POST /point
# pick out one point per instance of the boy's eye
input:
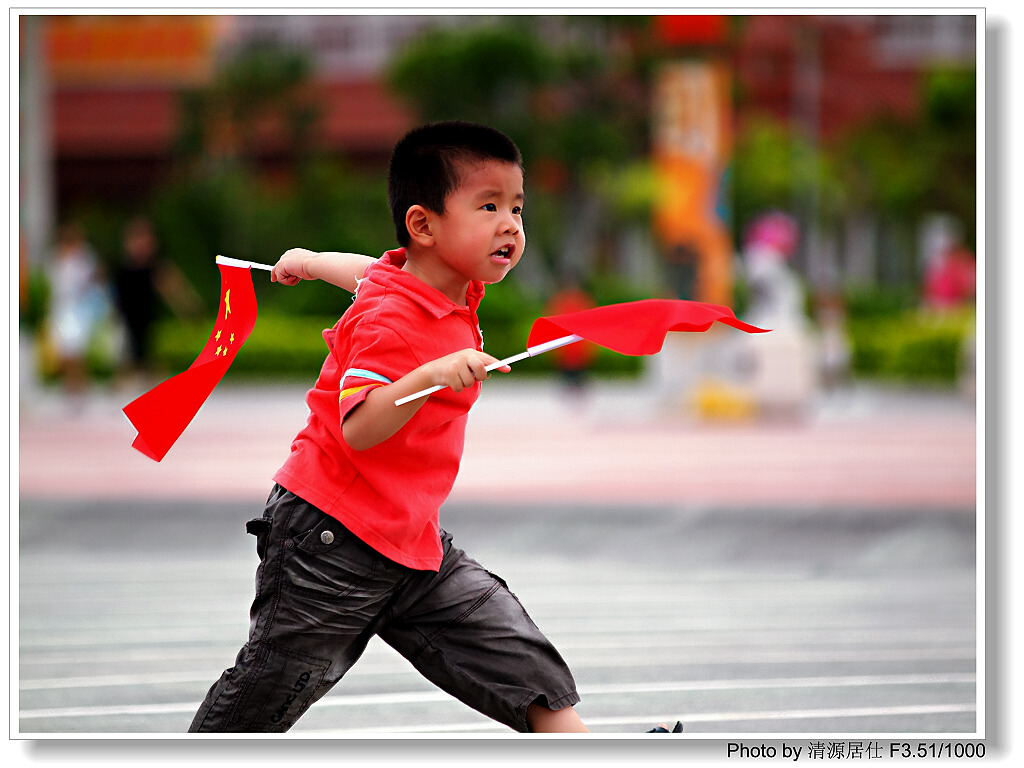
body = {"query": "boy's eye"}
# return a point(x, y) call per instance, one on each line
point(517, 210)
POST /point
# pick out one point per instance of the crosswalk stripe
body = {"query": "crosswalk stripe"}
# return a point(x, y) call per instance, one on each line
point(120, 681)
point(701, 717)
point(415, 697)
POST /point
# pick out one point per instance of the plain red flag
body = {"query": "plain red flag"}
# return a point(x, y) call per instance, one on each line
point(635, 327)
point(630, 328)
point(162, 414)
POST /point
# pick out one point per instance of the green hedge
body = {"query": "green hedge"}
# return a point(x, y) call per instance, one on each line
point(914, 346)
point(279, 346)
point(888, 340)
point(289, 346)
point(292, 348)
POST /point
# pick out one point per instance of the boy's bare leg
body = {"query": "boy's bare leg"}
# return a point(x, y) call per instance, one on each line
point(544, 720)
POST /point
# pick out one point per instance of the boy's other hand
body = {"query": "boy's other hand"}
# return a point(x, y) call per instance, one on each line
point(291, 267)
point(462, 369)
point(376, 419)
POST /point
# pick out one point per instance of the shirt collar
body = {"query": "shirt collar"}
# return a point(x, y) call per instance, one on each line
point(387, 272)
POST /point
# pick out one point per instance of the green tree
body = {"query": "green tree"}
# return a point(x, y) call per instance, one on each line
point(773, 168)
point(950, 144)
point(900, 171)
point(251, 180)
point(905, 169)
point(259, 99)
point(575, 111)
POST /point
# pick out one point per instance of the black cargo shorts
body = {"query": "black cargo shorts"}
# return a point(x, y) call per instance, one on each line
point(321, 594)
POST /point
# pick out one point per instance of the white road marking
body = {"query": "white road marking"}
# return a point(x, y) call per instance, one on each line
point(416, 697)
point(703, 717)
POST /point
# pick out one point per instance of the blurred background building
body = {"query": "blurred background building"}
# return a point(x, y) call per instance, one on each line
point(654, 145)
point(115, 83)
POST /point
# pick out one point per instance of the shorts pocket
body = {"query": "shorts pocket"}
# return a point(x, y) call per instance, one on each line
point(260, 528)
point(327, 562)
point(328, 534)
point(283, 686)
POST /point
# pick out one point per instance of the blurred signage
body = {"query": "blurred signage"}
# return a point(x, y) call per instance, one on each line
point(691, 29)
point(692, 145)
point(129, 49)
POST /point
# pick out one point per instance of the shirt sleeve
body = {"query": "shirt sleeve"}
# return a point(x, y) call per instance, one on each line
point(378, 356)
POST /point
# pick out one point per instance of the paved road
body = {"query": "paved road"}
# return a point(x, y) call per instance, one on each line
point(740, 613)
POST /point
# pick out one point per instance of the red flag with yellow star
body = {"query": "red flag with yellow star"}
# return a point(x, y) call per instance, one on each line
point(162, 414)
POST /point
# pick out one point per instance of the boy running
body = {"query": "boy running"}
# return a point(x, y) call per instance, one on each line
point(349, 543)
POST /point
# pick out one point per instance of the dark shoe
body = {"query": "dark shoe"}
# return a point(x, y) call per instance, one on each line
point(664, 729)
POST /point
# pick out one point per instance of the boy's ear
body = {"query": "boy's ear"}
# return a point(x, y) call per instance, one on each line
point(417, 221)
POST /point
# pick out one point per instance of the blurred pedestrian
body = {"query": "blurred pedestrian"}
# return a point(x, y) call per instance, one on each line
point(141, 278)
point(950, 279)
point(135, 288)
point(572, 361)
point(77, 301)
point(682, 263)
point(784, 366)
point(836, 354)
point(777, 296)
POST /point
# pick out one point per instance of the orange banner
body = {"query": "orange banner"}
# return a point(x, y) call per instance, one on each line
point(91, 49)
point(692, 144)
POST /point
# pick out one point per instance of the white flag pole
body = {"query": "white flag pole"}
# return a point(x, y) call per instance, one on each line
point(537, 349)
point(228, 262)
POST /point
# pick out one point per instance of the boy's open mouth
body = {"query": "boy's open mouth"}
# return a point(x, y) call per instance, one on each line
point(504, 253)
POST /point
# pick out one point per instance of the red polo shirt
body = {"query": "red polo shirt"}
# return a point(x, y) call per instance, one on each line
point(389, 495)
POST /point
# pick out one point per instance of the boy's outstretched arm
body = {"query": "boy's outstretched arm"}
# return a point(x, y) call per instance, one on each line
point(336, 268)
point(377, 418)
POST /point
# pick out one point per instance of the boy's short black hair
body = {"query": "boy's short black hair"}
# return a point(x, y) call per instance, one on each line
point(425, 165)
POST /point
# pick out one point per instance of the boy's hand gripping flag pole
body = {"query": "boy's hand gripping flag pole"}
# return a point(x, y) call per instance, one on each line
point(530, 352)
point(161, 415)
point(631, 328)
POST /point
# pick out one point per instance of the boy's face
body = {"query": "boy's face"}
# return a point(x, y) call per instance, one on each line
point(480, 235)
